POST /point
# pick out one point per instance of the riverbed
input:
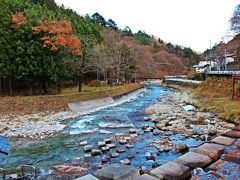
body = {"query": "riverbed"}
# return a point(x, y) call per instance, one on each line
point(112, 122)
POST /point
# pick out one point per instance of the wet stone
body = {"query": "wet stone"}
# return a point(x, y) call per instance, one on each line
point(133, 135)
point(101, 144)
point(181, 147)
point(111, 145)
point(129, 146)
point(194, 160)
point(226, 141)
point(212, 150)
point(106, 148)
point(96, 152)
point(87, 148)
point(125, 162)
point(117, 172)
point(123, 141)
point(121, 150)
point(146, 177)
point(171, 170)
point(127, 138)
point(232, 155)
point(108, 141)
point(232, 133)
point(87, 177)
point(83, 143)
point(132, 131)
point(143, 170)
point(114, 154)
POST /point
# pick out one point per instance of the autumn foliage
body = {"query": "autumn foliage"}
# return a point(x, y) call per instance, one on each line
point(59, 33)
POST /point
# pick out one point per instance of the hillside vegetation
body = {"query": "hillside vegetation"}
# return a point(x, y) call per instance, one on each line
point(44, 47)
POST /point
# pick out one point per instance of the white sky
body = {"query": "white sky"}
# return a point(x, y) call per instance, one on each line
point(191, 23)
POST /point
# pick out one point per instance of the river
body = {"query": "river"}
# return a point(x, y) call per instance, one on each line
point(94, 127)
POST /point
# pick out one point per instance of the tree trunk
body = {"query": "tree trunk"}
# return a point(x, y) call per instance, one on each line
point(1, 87)
point(80, 83)
point(59, 86)
point(10, 87)
point(44, 86)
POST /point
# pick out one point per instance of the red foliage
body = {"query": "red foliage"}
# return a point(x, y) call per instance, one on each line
point(60, 33)
point(18, 19)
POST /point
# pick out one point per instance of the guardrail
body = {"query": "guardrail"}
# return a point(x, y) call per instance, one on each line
point(223, 72)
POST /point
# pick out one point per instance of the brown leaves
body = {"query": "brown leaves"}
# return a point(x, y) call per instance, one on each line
point(18, 19)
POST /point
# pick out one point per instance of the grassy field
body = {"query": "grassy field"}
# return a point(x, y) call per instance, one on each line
point(21, 105)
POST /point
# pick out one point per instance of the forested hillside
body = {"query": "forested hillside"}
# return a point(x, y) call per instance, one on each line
point(44, 47)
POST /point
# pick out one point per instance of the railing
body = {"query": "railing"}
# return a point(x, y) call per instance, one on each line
point(223, 72)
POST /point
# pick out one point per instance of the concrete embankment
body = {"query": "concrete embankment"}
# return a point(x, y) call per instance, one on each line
point(181, 82)
point(96, 104)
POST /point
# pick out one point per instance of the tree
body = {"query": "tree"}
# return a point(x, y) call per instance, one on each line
point(127, 31)
point(99, 19)
point(235, 20)
point(110, 23)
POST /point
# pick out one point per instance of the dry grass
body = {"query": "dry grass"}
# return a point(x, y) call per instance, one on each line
point(21, 105)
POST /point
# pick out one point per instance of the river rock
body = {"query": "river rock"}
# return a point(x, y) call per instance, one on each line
point(171, 170)
point(101, 144)
point(143, 170)
point(212, 150)
point(87, 148)
point(129, 146)
point(212, 130)
point(226, 141)
point(181, 147)
point(123, 141)
point(83, 143)
point(194, 160)
point(149, 156)
point(122, 150)
point(156, 164)
point(146, 177)
point(114, 154)
point(105, 148)
point(197, 130)
point(125, 162)
point(111, 145)
point(117, 172)
point(70, 170)
point(108, 141)
point(132, 131)
point(95, 152)
point(87, 177)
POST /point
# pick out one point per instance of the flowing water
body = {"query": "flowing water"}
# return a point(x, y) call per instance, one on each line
point(94, 127)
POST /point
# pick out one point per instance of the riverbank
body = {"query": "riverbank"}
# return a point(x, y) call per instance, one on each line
point(38, 117)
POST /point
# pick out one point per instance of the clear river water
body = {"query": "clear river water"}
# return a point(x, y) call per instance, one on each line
point(94, 127)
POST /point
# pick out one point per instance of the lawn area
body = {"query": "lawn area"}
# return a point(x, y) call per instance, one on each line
point(21, 105)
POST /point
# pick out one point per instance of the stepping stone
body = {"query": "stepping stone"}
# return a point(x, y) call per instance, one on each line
point(101, 144)
point(226, 169)
point(83, 143)
point(146, 177)
point(125, 162)
point(108, 141)
point(214, 151)
point(105, 148)
point(132, 131)
point(232, 133)
point(87, 177)
point(96, 152)
point(232, 155)
point(87, 148)
point(111, 145)
point(171, 170)
point(114, 154)
point(123, 141)
point(226, 141)
point(121, 150)
point(129, 146)
point(194, 160)
point(117, 172)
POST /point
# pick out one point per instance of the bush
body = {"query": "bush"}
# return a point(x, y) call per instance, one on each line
point(94, 83)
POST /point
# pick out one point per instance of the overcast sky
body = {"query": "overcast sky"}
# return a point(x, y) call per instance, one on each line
point(191, 23)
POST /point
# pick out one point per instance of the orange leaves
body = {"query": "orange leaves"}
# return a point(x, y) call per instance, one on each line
point(58, 33)
point(61, 34)
point(18, 19)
